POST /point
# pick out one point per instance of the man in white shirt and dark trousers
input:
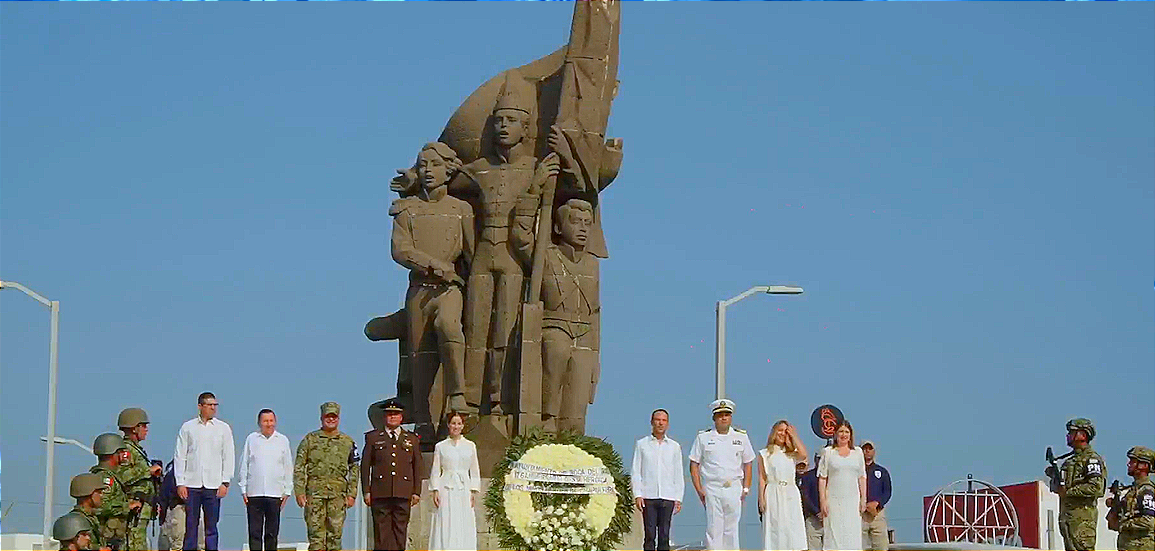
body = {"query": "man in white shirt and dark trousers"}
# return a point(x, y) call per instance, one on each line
point(657, 481)
point(203, 465)
point(266, 481)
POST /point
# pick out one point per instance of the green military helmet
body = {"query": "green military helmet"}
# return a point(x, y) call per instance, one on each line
point(83, 485)
point(108, 444)
point(69, 526)
point(1083, 424)
point(1142, 454)
point(131, 417)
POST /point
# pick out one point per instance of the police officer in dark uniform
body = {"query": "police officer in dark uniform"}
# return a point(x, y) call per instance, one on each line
point(391, 478)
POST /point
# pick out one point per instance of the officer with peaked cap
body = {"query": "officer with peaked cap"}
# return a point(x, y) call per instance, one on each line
point(1137, 515)
point(391, 477)
point(88, 489)
point(720, 461)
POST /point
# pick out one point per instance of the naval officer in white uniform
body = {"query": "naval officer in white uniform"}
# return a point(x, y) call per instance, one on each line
point(720, 468)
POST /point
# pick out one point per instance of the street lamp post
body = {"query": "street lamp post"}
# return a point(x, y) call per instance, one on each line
point(720, 334)
point(76, 443)
point(49, 468)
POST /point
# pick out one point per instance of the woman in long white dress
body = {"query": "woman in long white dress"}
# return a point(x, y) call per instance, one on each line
point(454, 481)
point(842, 491)
point(779, 500)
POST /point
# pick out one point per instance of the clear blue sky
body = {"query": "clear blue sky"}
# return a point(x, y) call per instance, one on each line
point(966, 192)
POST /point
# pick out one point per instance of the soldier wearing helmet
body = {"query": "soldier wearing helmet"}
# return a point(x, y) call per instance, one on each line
point(116, 508)
point(88, 489)
point(73, 531)
point(141, 477)
point(1084, 482)
point(1137, 516)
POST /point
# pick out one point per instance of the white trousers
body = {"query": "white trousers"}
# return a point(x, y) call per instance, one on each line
point(723, 511)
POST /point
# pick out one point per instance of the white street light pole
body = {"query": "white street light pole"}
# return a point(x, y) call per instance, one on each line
point(49, 468)
point(76, 443)
point(720, 334)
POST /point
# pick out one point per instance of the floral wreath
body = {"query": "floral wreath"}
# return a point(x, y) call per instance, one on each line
point(565, 492)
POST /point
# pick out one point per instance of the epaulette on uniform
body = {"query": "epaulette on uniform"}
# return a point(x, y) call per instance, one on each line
point(705, 430)
point(739, 430)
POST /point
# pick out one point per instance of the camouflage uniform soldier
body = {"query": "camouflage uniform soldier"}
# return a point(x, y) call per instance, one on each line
point(1137, 517)
point(1084, 482)
point(116, 509)
point(139, 475)
point(88, 489)
point(73, 531)
point(325, 479)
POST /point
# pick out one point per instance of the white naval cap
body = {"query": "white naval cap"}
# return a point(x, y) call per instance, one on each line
point(722, 406)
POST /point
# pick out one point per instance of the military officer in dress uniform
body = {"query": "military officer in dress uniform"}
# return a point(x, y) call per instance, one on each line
point(720, 462)
point(1084, 482)
point(1136, 521)
point(391, 478)
point(325, 479)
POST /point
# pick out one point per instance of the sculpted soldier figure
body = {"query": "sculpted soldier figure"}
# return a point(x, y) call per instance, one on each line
point(1136, 520)
point(432, 232)
point(115, 508)
point(325, 479)
point(88, 489)
point(496, 276)
point(571, 310)
point(1084, 482)
point(141, 476)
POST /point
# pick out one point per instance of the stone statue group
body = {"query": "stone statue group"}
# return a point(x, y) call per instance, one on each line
point(501, 234)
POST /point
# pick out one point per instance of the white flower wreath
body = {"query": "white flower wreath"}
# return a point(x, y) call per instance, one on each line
point(558, 527)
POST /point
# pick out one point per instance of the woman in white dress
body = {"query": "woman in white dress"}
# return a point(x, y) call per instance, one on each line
point(779, 501)
point(454, 481)
point(842, 491)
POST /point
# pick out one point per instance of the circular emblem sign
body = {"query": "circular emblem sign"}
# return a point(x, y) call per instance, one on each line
point(824, 420)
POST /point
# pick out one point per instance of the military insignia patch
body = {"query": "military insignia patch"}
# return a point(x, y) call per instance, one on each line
point(1149, 504)
point(108, 481)
point(1094, 468)
point(877, 474)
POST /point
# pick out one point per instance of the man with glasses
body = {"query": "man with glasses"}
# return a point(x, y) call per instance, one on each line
point(203, 464)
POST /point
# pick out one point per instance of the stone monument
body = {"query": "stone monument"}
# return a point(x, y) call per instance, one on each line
point(499, 224)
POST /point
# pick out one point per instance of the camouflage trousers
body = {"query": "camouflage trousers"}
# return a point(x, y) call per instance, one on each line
point(325, 522)
point(138, 535)
point(172, 531)
point(1134, 540)
point(1077, 526)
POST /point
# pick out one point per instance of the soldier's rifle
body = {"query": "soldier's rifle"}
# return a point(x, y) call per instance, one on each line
point(1056, 477)
point(1116, 504)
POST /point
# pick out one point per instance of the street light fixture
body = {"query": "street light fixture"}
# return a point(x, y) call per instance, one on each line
point(720, 334)
point(49, 468)
point(76, 443)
